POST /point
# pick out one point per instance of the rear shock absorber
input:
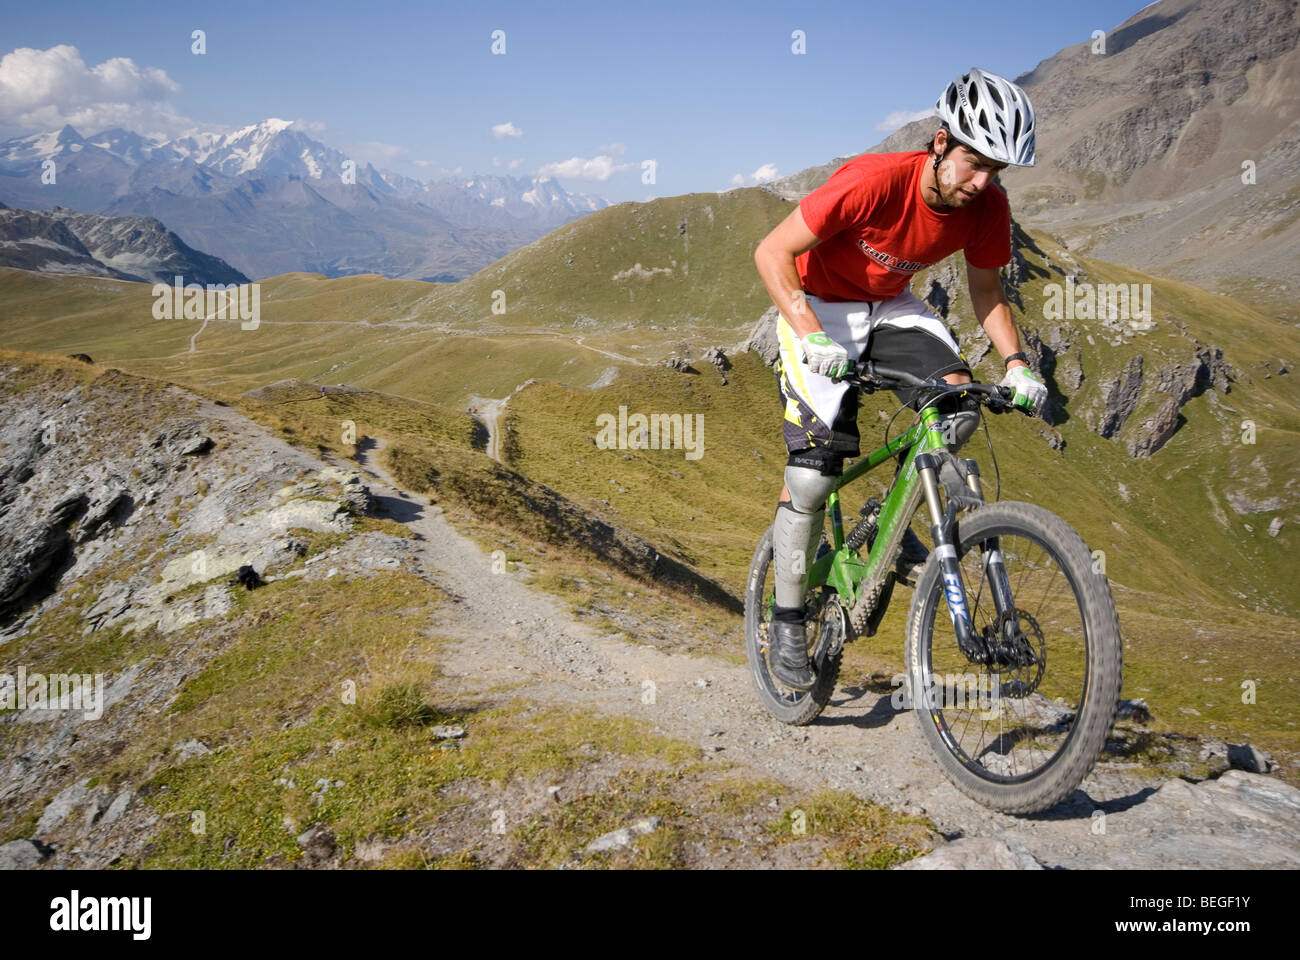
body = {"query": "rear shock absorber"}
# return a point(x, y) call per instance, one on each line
point(864, 531)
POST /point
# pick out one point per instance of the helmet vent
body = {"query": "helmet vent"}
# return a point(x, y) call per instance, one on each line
point(991, 116)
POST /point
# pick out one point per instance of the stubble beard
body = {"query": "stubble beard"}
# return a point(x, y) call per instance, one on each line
point(946, 187)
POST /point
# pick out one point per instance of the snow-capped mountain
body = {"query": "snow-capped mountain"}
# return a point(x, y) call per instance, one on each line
point(268, 198)
point(272, 148)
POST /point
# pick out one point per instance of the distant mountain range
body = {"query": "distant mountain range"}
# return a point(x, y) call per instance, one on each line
point(268, 199)
point(121, 248)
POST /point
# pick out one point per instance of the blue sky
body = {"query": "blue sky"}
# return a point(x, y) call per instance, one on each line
point(710, 91)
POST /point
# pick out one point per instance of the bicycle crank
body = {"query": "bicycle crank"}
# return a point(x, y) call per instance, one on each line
point(832, 631)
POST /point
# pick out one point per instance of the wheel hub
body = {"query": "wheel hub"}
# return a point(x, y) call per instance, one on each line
point(1018, 652)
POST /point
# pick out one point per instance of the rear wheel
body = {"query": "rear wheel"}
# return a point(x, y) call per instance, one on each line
point(825, 625)
point(1021, 734)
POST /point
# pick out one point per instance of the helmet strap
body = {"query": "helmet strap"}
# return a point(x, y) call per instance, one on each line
point(948, 148)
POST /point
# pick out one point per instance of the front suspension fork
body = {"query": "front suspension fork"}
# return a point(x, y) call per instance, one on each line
point(943, 528)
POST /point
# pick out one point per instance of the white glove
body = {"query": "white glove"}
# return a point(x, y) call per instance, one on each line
point(824, 356)
point(1031, 392)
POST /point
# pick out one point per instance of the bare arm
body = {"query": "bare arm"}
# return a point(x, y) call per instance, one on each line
point(993, 312)
point(775, 258)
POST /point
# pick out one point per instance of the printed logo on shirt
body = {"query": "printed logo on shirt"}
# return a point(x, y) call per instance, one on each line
point(889, 262)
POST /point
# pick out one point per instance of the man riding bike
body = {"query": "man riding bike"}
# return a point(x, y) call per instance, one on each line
point(838, 268)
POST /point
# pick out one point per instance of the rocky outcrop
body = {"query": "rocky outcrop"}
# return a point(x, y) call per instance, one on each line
point(60, 240)
point(719, 359)
point(1244, 504)
point(1182, 381)
point(52, 501)
point(762, 338)
point(1120, 398)
point(975, 853)
point(23, 854)
point(944, 281)
point(1206, 369)
point(1155, 431)
point(72, 502)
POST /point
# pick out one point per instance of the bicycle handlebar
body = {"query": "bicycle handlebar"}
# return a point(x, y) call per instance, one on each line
point(870, 376)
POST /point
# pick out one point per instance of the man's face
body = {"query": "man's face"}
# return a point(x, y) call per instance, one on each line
point(964, 174)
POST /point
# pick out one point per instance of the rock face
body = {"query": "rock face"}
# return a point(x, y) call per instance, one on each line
point(1182, 381)
point(1206, 369)
point(1155, 430)
point(150, 495)
point(23, 854)
point(1238, 818)
point(70, 503)
point(1120, 397)
point(123, 248)
point(975, 853)
point(762, 338)
point(719, 359)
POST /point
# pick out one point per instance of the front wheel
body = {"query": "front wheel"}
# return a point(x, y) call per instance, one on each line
point(826, 628)
point(1020, 733)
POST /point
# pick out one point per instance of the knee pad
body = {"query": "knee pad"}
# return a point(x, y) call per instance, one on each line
point(808, 488)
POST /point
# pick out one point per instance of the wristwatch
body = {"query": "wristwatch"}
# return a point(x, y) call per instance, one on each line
point(1015, 356)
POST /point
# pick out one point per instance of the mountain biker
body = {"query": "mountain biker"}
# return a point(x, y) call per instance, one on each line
point(838, 269)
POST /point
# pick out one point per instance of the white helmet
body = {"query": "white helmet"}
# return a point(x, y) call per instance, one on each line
point(990, 115)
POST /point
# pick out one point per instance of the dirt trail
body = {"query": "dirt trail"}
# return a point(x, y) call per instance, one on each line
point(488, 412)
point(514, 634)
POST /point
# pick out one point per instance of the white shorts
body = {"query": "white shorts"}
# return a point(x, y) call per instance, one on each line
point(903, 334)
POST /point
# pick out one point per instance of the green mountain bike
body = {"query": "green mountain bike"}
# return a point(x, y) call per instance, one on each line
point(1017, 693)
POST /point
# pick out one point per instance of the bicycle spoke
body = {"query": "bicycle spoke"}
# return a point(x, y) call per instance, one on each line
point(1023, 728)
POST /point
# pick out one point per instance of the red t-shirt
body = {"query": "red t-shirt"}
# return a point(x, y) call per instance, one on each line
point(877, 231)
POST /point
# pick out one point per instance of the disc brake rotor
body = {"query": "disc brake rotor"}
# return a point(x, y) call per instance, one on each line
point(1019, 653)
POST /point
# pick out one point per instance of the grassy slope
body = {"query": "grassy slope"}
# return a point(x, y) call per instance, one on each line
point(1174, 536)
point(269, 706)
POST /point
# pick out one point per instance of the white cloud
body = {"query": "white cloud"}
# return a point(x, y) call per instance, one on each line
point(44, 89)
point(763, 174)
point(514, 164)
point(423, 163)
point(613, 149)
point(597, 169)
point(901, 118)
point(314, 127)
point(503, 130)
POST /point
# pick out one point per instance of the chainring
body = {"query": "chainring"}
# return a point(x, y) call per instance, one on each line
point(832, 630)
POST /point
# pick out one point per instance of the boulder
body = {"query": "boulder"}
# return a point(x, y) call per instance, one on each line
point(975, 853)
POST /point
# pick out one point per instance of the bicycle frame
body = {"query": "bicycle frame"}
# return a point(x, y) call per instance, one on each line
point(849, 575)
point(842, 568)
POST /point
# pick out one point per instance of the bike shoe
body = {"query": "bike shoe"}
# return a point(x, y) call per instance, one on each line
point(788, 653)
